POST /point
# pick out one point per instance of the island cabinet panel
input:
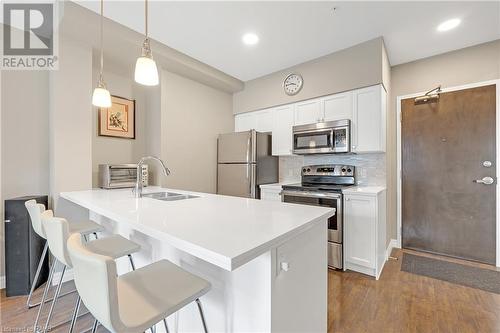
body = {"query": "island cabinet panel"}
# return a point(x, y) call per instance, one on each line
point(282, 130)
point(364, 233)
point(338, 106)
point(300, 262)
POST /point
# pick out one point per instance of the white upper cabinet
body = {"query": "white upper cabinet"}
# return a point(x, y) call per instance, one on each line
point(337, 107)
point(282, 130)
point(366, 108)
point(368, 121)
point(308, 112)
point(264, 120)
point(245, 121)
point(261, 121)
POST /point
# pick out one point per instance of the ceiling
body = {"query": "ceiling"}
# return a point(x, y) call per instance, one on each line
point(294, 32)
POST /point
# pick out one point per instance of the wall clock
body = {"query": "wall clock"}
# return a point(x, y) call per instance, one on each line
point(292, 84)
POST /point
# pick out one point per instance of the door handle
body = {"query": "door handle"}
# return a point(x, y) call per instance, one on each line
point(485, 181)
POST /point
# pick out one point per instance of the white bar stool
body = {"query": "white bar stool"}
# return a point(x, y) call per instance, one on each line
point(134, 301)
point(36, 211)
point(57, 231)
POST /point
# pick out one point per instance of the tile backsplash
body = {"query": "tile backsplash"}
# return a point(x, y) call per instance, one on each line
point(370, 168)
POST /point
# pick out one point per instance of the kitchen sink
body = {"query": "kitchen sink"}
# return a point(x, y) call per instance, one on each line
point(169, 196)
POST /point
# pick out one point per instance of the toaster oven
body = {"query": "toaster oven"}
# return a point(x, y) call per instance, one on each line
point(121, 175)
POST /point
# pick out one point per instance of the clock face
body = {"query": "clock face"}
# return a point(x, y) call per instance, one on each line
point(292, 84)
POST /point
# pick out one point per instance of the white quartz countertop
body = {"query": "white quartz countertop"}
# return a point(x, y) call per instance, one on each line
point(225, 231)
point(367, 190)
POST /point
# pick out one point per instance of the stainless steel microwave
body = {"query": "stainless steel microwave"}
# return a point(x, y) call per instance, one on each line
point(322, 138)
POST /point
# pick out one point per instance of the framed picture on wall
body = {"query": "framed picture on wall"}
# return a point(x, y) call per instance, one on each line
point(119, 120)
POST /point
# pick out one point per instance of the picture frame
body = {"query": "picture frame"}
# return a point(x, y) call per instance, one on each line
point(117, 121)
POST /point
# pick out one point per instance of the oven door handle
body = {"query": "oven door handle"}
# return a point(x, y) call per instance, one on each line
point(311, 194)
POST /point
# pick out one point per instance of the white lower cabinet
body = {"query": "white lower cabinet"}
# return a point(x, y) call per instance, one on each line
point(364, 232)
point(271, 193)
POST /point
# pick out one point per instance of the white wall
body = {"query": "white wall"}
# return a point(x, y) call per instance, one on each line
point(193, 114)
point(355, 67)
point(70, 125)
point(107, 150)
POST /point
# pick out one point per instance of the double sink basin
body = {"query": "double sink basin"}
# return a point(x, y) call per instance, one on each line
point(168, 196)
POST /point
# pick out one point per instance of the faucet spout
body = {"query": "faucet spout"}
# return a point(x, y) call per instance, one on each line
point(138, 185)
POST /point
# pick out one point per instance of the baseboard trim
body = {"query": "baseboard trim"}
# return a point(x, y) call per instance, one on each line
point(2, 282)
point(68, 276)
point(393, 244)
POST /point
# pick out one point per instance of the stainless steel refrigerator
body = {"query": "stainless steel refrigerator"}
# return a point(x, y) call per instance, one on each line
point(245, 161)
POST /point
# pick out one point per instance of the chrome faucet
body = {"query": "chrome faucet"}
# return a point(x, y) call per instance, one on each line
point(138, 184)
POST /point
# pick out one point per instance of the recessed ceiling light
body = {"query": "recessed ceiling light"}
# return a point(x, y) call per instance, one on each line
point(449, 24)
point(250, 39)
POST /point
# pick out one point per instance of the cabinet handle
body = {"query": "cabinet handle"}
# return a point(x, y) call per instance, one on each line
point(347, 199)
point(353, 147)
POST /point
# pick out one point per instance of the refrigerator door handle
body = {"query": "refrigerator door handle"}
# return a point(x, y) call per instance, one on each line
point(251, 180)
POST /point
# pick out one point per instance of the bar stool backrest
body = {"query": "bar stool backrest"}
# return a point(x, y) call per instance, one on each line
point(36, 210)
point(57, 232)
point(95, 280)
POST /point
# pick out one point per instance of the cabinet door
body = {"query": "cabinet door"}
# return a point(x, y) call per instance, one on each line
point(270, 195)
point(368, 128)
point(360, 230)
point(308, 112)
point(264, 120)
point(282, 130)
point(245, 122)
point(338, 106)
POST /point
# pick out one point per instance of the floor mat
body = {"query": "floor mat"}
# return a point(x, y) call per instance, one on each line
point(474, 277)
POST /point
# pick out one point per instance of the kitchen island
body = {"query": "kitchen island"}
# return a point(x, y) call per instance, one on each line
point(266, 261)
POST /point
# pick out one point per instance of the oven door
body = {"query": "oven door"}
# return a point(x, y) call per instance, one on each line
point(331, 200)
point(313, 141)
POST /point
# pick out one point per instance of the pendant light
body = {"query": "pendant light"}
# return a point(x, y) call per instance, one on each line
point(101, 96)
point(146, 72)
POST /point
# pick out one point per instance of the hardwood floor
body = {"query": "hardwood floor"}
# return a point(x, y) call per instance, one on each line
point(404, 302)
point(398, 302)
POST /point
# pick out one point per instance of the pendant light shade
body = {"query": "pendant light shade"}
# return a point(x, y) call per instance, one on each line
point(146, 72)
point(101, 96)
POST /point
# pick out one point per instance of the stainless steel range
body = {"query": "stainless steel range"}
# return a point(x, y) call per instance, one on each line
point(322, 186)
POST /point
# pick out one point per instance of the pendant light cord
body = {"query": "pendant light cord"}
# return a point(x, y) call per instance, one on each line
point(146, 15)
point(102, 52)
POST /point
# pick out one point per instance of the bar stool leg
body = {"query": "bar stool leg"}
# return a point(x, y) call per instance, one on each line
point(94, 327)
point(56, 295)
point(75, 315)
point(37, 275)
point(131, 262)
point(166, 326)
point(198, 302)
point(44, 297)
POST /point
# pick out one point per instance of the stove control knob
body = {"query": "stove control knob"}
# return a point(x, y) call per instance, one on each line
point(343, 169)
point(308, 170)
point(304, 170)
point(349, 170)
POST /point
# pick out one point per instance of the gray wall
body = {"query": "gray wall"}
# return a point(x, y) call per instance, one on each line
point(469, 65)
point(193, 114)
point(355, 67)
point(25, 143)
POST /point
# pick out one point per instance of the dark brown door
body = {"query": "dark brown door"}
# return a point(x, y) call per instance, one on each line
point(446, 146)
